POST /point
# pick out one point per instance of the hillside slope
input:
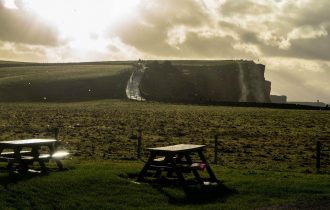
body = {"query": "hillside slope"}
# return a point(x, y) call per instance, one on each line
point(63, 83)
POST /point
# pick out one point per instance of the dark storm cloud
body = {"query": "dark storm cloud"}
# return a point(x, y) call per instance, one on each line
point(20, 26)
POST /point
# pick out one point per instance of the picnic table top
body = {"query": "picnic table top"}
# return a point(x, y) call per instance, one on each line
point(27, 142)
point(177, 148)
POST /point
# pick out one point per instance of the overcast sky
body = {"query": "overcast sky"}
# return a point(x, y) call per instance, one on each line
point(291, 37)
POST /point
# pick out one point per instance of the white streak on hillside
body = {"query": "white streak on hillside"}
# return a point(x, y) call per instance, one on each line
point(244, 91)
point(133, 84)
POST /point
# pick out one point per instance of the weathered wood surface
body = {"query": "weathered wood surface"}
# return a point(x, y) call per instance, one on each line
point(178, 148)
point(27, 142)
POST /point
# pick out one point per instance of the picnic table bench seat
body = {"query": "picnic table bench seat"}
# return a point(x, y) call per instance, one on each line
point(12, 159)
point(11, 153)
point(160, 159)
point(181, 164)
point(61, 154)
point(26, 160)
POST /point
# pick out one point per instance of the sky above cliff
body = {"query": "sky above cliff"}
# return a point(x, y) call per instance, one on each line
point(291, 37)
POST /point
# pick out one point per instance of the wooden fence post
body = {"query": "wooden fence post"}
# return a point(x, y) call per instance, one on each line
point(93, 148)
point(318, 156)
point(216, 149)
point(139, 143)
point(56, 133)
point(78, 145)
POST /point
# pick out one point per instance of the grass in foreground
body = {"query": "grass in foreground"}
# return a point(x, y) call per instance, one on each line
point(106, 185)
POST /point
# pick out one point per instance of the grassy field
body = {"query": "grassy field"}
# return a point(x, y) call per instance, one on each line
point(110, 185)
point(254, 138)
point(63, 82)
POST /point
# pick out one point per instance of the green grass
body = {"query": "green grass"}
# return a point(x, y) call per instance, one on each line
point(106, 185)
point(58, 72)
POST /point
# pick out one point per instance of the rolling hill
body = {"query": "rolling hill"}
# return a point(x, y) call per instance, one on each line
point(63, 82)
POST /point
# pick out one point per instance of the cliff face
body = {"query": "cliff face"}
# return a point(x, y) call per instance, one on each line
point(235, 81)
point(254, 87)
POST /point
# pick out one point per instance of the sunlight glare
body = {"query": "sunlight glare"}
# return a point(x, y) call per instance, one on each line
point(10, 4)
point(83, 22)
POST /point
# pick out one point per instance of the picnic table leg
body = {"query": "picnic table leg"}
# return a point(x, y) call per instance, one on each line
point(18, 159)
point(158, 173)
point(35, 154)
point(195, 172)
point(10, 166)
point(168, 160)
point(58, 163)
point(146, 167)
point(177, 171)
point(208, 168)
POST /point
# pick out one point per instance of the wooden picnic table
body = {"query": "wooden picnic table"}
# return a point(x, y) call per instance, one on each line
point(177, 159)
point(25, 158)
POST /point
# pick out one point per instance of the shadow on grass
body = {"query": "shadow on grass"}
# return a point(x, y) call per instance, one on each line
point(7, 178)
point(192, 192)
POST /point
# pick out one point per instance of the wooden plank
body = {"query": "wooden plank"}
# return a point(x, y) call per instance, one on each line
point(26, 143)
point(177, 148)
point(44, 156)
point(5, 159)
point(161, 159)
point(11, 154)
point(159, 167)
